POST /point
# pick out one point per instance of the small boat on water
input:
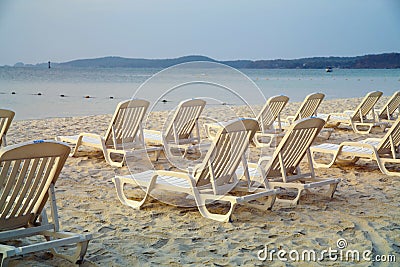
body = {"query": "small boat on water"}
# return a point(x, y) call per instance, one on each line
point(328, 69)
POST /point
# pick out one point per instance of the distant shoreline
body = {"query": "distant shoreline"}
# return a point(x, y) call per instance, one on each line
point(378, 61)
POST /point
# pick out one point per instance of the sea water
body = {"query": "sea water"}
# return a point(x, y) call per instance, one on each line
point(36, 93)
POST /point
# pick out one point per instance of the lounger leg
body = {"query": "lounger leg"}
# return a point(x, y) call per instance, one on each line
point(294, 201)
point(323, 165)
point(362, 131)
point(201, 205)
point(382, 167)
point(79, 255)
point(4, 259)
point(75, 149)
point(332, 190)
point(351, 161)
point(118, 164)
point(119, 185)
point(265, 206)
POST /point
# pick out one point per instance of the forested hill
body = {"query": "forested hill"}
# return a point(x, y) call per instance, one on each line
point(380, 61)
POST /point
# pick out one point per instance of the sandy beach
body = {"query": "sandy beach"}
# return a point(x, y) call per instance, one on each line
point(364, 211)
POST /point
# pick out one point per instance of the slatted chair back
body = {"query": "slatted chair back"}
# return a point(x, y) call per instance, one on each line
point(386, 113)
point(26, 172)
point(309, 106)
point(184, 120)
point(225, 154)
point(366, 105)
point(6, 117)
point(271, 111)
point(294, 145)
point(391, 141)
point(126, 122)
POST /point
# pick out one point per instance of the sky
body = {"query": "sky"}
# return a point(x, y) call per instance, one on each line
point(63, 30)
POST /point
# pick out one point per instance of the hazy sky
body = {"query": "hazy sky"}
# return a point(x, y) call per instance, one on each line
point(62, 30)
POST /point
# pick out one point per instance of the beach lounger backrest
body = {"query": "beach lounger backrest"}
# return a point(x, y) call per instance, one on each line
point(225, 154)
point(390, 107)
point(27, 171)
point(184, 120)
point(6, 116)
point(294, 145)
point(309, 106)
point(366, 105)
point(126, 122)
point(391, 141)
point(271, 111)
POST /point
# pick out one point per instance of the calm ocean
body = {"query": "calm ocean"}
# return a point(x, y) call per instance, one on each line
point(20, 87)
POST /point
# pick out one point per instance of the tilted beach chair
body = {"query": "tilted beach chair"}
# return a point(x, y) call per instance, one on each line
point(6, 117)
point(386, 113)
point(267, 116)
point(382, 150)
point(123, 135)
point(282, 170)
point(212, 180)
point(269, 113)
point(357, 118)
point(307, 109)
point(182, 131)
point(28, 172)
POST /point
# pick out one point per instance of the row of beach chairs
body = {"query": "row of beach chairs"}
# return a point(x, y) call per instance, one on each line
point(28, 171)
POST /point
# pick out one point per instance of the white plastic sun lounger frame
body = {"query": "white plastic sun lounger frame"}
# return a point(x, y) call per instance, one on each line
point(382, 150)
point(212, 180)
point(282, 170)
point(183, 130)
point(6, 117)
point(123, 136)
point(28, 173)
point(357, 118)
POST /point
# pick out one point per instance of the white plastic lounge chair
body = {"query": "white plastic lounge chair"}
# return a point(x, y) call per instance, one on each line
point(382, 150)
point(282, 170)
point(28, 173)
point(357, 118)
point(123, 135)
point(212, 180)
point(307, 109)
point(6, 116)
point(388, 110)
point(183, 129)
point(268, 115)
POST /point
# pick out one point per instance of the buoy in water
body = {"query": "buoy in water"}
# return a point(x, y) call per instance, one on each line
point(87, 96)
point(62, 95)
point(111, 97)
point(13, 93)
point(39, 93)
point(164, 101)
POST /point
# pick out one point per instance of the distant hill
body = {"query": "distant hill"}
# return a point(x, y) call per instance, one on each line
point(120, 62)
point(380, 61)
